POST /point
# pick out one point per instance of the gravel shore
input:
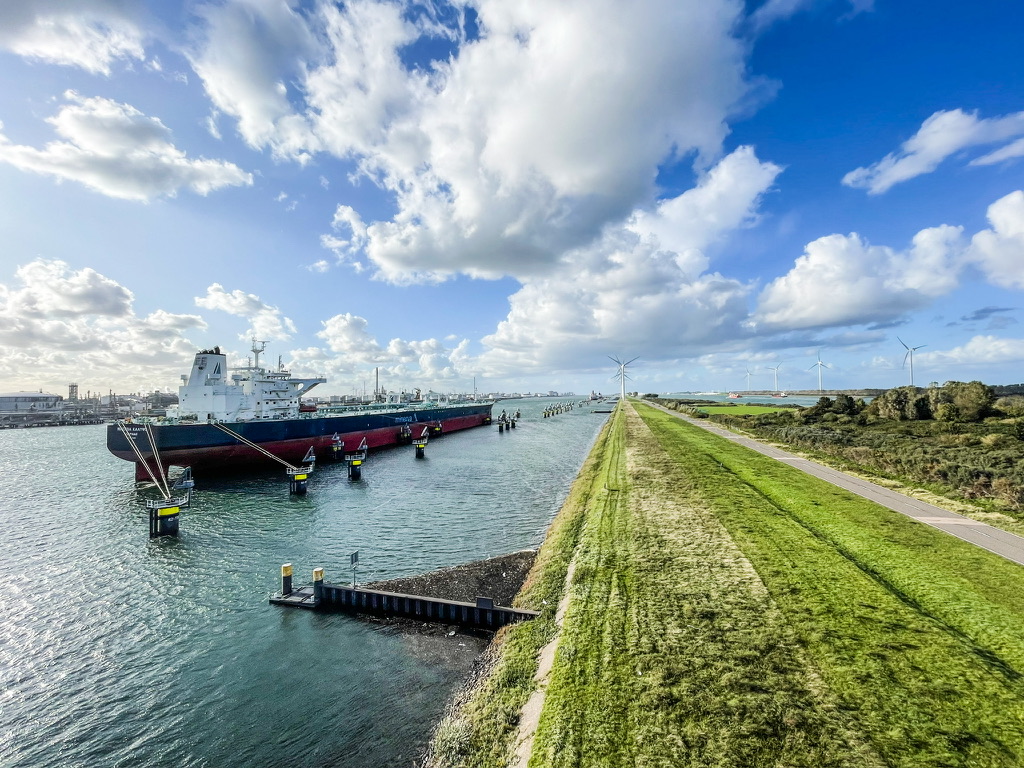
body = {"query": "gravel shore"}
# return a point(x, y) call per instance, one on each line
point(499, 578)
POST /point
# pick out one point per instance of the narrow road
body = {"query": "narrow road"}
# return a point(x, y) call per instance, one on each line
point(1003, 543)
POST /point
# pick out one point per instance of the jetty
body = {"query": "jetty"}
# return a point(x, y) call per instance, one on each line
point(480, 614)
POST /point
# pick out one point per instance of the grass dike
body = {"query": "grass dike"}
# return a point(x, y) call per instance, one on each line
point(722, 609)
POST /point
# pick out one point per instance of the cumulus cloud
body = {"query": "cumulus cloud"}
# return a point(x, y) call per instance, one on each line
point(999, 251)
point(50, 289)
point(90, 34)
point(352, 350)
point(980, 350)
point(525, 144)
point(943, 134)
point(266, 321)
point(250, 54)
point(58, 324)
point(843, 280)
point(643, 286)
point(346, 221)
point(116, 150)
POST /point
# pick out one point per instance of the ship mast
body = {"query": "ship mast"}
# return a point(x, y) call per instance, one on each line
point(257, 350)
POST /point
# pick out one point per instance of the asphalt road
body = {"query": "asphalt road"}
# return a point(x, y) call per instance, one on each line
point(995, 540)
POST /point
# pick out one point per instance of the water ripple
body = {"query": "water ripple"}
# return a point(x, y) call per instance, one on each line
point(116, 650)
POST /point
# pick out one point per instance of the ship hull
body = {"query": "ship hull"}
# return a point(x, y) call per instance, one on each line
point(204, 447)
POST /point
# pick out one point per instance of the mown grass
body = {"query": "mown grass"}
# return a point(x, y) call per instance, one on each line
point(919, 637)
point(672, 652)
point(479, 733)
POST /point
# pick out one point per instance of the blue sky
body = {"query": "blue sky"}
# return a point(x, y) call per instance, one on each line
point(512, 191)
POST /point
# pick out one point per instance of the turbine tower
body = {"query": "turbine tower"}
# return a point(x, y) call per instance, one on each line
point(749, 374)
point(820, 365)
point(621, 374)
point(776, 370)
point(910, 356)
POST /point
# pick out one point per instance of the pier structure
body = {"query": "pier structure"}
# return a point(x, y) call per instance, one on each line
point(481, 614)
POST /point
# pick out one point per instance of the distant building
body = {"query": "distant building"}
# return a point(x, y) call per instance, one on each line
point(22, 402)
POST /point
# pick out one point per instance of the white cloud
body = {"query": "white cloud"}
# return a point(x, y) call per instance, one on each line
point(346, 219)
point(266, 321)
point(58, 325)
point(402, 364)
point(772, 11)
point(999, 251)
point(91, 34)
point(642, 287)
point(721, 202)
point(941, 135)
point(979, 350)
point(524, 145)
point(843, 280)
point(118, 151)
point(1009, 152)
point(252, 51)
point(51, 290)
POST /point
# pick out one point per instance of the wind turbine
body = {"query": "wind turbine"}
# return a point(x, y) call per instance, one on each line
point(820, 365)
point(776, 369)
point(621, 374)
point(749, 374)
point(910, 355)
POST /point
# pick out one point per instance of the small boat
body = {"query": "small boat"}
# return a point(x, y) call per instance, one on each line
point(779, 394)
point(734, 395)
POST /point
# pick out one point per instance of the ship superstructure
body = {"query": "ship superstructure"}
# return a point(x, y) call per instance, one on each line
point(223, 413)
point(248, 393)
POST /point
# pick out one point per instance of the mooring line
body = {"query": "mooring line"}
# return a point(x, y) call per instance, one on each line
point(251, 444)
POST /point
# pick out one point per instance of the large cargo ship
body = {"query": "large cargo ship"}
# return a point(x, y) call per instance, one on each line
point(255, 416)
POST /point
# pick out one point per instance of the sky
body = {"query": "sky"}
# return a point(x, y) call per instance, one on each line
point(512, 193)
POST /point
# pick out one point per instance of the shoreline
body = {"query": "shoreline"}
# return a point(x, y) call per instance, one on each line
point(500, 578)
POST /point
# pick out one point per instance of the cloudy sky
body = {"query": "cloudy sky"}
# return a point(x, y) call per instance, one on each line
point(512, 191)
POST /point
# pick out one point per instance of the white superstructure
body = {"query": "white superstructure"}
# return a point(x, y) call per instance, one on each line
point(248, 393)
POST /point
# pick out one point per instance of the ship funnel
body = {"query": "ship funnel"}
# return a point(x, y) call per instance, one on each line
point(209, 367)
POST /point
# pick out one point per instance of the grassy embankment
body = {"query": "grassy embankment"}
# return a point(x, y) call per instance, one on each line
point(481, 731)
point(860, 639)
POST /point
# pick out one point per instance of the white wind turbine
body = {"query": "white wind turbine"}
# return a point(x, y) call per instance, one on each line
point(776, 370)
point(621, 374)
point(749, 374)
point(910, 356)
point(820, 365)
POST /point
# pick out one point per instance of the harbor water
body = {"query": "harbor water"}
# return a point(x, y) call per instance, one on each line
point(120, 651)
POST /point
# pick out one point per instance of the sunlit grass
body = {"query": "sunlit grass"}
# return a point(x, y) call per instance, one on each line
point(920, 636)
point(728, 610)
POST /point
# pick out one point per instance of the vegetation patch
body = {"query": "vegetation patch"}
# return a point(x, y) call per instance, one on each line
point(916, 634)
point(957, 440)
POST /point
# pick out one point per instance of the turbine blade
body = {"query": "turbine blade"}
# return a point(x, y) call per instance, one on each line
point(901, 341)
point(906, 356)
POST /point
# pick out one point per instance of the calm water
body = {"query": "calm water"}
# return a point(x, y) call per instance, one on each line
point(805, 400)
point(119, 651)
